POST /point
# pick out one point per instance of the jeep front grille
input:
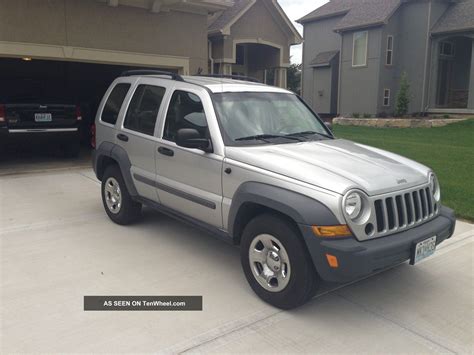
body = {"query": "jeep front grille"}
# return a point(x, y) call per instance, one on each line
point(403, 210)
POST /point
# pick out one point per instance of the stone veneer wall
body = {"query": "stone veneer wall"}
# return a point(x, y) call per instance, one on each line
point(396, 122)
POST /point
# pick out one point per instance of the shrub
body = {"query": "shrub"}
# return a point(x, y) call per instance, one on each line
point(367, 115)
point(403, 97)
point(446, 116)
point(382, 114)
point(356, 115)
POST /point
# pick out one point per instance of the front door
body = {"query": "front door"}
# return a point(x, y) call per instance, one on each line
point(188, 180)
point(444, 82)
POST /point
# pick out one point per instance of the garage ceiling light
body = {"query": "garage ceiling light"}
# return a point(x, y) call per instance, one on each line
point(26, 59)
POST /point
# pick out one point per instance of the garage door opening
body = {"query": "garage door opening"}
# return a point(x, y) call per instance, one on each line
point(47, 82)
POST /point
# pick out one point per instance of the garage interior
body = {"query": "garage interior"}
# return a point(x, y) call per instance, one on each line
point(50, 81)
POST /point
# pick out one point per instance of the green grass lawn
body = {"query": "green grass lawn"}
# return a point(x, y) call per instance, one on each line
point(448, 150)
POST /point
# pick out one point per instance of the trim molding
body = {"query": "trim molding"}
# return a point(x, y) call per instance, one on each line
point(176, 192)
point(91, 55)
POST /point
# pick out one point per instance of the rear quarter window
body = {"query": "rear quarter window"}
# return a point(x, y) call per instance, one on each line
point(114, 103)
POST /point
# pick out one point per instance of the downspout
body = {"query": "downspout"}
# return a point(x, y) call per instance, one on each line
point(428, 27)
point(339, 88)
point(210, 56)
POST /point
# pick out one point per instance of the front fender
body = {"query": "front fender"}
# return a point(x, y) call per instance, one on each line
point(300, 208)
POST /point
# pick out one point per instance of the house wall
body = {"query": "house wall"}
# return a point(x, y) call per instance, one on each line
point(322, 87)
point(412, 51)
point(390, 74)
point(409, 26)
point(359, 86)
point(258, 25)
point(319, 37)
point(91, 24)
point(470, 104)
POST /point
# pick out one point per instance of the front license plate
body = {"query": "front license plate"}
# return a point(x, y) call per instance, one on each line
point(43, 117)
point(423, 249)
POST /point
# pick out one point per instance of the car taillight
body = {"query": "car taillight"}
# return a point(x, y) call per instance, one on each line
point(2, 113)
point(78, 113)
point(93, 135)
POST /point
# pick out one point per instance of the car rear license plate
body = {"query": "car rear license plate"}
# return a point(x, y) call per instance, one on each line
point(43, 117)
point(423, 249)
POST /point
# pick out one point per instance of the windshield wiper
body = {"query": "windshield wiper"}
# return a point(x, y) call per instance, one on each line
point(266, 137)
point(308, 133)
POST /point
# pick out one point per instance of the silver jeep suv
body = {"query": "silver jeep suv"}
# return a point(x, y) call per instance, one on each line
point(256, 167)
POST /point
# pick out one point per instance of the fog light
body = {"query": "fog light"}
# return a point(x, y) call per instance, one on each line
point(332, 261)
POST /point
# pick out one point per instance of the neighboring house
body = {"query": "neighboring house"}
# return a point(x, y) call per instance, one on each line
point(355, 51)
point(252, 38)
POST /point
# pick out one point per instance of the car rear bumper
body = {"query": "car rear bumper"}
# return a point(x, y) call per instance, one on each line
point(53, 135)
point(358, 259)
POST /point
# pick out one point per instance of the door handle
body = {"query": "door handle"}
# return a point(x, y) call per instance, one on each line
point(122, 137)
point(166, 151)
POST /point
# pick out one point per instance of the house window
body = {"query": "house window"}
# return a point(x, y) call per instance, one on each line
point(389, 58)
point(359, 49)
point(386, 97)
point(446, 49)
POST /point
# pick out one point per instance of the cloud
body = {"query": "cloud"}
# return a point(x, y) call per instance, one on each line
point(296, 9)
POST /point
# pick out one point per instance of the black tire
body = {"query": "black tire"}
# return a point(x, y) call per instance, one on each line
point(304, 280)
point(130, 210)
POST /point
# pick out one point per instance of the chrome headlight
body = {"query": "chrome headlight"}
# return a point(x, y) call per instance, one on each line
point(434, 187)
point(353, 205)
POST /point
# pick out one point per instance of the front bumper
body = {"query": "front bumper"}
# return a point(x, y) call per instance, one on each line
point(358, 259)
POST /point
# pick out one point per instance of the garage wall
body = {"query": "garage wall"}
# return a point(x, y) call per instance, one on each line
point(94, 25)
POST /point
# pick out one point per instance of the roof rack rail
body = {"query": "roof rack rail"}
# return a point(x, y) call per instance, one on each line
point(227, 76)
point(173, 76)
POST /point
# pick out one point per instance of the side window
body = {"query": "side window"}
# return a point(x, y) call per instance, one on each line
point(114, 103)
point(185, 111)
point(143, 110)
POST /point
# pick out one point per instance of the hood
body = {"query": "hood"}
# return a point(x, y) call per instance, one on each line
point(337, 165)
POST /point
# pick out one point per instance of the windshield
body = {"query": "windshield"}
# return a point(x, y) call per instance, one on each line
point(267, 117)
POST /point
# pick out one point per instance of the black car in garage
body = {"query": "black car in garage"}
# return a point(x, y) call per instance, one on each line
point(46, 121)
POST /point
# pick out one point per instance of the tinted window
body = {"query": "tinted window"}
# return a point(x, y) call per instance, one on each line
point(185, 111)
point(143, 110)
point(114, 102)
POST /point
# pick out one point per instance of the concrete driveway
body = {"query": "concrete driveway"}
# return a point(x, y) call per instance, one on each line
point(57, 245)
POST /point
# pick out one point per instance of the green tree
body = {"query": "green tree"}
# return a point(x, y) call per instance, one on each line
point(403, 97)
point(293, 79)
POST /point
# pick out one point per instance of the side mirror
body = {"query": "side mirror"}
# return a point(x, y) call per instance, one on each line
point(328, 125)
point(191, 138)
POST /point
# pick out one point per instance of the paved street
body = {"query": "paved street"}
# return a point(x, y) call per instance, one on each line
point(57, 245)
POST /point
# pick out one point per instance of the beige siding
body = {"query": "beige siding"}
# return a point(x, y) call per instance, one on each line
point(94, 25)
point(258, 23)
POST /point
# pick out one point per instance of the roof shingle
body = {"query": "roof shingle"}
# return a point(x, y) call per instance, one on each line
point(228, 15)
point(459, 17)
point(323, 59)
point(357, 13)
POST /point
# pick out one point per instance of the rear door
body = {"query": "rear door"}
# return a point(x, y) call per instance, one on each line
point(136, 133)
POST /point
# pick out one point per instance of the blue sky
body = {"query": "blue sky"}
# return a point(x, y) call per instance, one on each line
point(296, 9)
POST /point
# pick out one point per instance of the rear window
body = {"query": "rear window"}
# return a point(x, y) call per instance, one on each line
point(143, 109)
point(114, 103)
